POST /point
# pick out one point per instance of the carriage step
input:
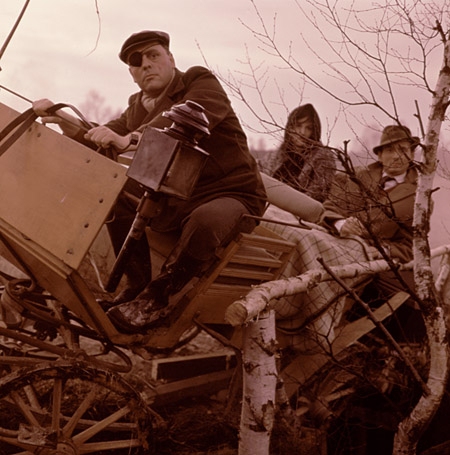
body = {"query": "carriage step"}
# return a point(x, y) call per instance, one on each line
point(203, 385)
point(183, 367)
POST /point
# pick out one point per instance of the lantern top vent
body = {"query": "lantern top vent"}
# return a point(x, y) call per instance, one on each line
point(189, 120)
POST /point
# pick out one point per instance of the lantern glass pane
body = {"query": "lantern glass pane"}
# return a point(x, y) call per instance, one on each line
point(183, 172)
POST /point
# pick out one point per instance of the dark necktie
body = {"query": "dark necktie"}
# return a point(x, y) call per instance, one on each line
point(384, 180)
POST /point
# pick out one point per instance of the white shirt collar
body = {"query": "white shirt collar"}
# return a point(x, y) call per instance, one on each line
point(398, 178)
point(393, 181)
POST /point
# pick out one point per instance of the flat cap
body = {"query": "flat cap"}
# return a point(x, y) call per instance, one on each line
point(140, 38)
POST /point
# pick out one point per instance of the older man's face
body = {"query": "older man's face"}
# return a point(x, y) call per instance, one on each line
point(396, 157)
point(155, 71)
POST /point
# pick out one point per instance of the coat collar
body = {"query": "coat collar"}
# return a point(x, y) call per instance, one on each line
point(177, 84)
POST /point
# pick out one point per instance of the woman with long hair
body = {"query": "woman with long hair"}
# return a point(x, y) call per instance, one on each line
point(306, 165)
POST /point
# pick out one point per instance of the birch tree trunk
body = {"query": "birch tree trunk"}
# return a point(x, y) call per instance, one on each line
point(411, 428)
point(259, 383)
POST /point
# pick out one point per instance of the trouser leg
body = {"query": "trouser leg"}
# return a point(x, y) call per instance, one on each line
point(206, 228)
point(209, 226)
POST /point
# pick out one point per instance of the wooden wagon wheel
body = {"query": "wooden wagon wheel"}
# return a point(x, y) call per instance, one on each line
point(71, 409)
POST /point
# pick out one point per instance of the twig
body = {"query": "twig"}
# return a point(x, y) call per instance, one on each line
point(378, 324)
point(418, 116)
point(11, 33)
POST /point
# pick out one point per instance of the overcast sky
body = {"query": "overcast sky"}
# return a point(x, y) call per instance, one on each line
point(63, 49)
point(55, 53)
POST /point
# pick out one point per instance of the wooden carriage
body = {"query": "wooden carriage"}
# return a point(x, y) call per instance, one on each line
point(55, 198)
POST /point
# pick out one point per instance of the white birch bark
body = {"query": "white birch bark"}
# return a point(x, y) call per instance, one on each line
point(261, 297)
point(259, 383)
point(442, 282)
point(411, 428)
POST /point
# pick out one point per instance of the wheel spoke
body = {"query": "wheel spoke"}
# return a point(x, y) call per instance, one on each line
point(108, 445)
point(99, 426)
point(25, 409)
point(56, 405)
point(8, 433)
point(84, 406)
point(15, 443)
point(32, 398)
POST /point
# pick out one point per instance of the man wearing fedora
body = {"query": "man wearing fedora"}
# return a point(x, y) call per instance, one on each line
point(228, 188)
point(380, 196)
point(377, 202)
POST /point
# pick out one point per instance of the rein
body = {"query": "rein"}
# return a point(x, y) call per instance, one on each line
point(22, 122)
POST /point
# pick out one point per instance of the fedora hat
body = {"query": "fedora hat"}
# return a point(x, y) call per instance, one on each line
point(140, 38)
point(395, 133)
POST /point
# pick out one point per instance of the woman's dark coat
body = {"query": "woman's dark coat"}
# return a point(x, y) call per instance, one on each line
point(311, 167)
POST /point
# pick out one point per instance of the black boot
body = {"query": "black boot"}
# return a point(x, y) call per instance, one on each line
point(151, 304)
point(138, 274)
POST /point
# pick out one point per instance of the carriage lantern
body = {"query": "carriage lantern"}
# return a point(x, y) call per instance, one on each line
point(166, 162)
point(169, 161)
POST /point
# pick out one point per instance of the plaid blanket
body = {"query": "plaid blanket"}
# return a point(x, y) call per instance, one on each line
point(321, 308)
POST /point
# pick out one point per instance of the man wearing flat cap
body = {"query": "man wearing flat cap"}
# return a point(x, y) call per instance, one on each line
point(380, 195)
point(229, 186)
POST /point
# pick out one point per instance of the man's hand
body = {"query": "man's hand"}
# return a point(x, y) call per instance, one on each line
point(353, 226)
point(40, 108)
point(105, 137)
point(66, 122)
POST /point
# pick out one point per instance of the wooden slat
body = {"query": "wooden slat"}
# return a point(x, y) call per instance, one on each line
point(199, 385)
point(262, 261)
point(266, 242)
point(266, 232)
point(218, 288)
point(251, 274)
point(305, 365)
point(177, 368)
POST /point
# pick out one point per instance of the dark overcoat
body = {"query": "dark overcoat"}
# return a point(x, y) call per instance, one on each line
point(230, 170)
point(389, 213)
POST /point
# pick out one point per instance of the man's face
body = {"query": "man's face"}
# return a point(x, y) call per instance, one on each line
point(396, 157)
point(156, 70)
